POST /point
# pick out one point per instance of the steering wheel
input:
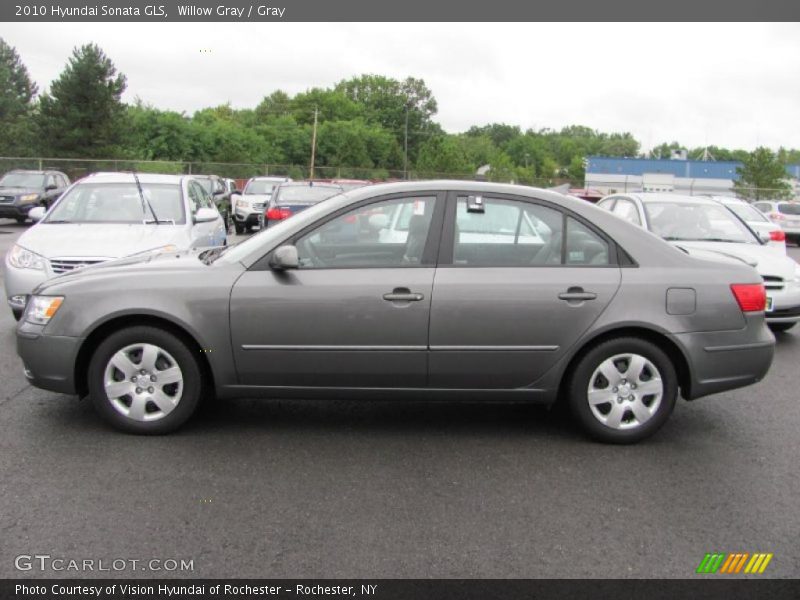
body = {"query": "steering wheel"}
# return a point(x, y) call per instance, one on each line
point(306, 247)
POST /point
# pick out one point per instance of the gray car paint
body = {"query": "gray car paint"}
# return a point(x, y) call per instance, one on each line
point(234, 303)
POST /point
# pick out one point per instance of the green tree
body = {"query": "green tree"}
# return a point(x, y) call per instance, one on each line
point(442, 155)
point(83, 115)
point(762, 175)
point(16, 103)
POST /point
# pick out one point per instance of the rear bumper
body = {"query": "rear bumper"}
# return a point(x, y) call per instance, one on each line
point(48, 360)
point(726, 360)
point(785, 304)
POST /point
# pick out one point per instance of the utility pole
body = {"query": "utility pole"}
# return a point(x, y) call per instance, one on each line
point(405, 147)
point(313, 143)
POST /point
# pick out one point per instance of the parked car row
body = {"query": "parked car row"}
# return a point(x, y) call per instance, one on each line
point(721, 230)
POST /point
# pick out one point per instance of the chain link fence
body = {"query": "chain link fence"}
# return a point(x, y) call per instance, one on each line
point(75, 168)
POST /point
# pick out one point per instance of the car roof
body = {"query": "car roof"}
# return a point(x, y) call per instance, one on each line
point(311, 184)
point(647, 197)
point(269, 178)
point(122, 177)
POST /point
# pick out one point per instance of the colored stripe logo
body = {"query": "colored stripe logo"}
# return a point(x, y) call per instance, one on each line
point(734, 563)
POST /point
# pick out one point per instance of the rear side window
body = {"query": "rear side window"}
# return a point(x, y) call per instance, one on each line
point(506, 233)
point(584, 246)
point(789, 209)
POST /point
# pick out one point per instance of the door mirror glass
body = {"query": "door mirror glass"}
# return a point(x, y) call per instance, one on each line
point(285, 257)
point(205, 215)
point(36, 213)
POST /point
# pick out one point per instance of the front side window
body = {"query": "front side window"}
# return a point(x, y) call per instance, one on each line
point(391, 233)
point(505, 233)
point(626, 209)
point(584, 246)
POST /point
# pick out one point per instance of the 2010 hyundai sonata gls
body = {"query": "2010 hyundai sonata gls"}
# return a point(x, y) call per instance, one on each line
point(479, 291)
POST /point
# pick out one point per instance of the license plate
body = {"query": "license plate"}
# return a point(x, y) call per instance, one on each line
point(769, 304)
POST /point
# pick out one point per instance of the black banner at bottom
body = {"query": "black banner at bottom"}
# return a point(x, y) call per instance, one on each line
point(396, 589)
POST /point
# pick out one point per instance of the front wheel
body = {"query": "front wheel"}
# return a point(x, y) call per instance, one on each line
point(781, 327)
point(623, 390)
point(144, 380)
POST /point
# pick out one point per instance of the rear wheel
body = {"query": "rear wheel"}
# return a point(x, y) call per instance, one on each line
point(623, 390)
point(238, 227)
point(144, 380)
point(17, 312)
point(780, 327)
point(21, 220)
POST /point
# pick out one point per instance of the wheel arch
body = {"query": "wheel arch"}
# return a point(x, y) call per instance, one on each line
point(105, 328)
point(659, 338)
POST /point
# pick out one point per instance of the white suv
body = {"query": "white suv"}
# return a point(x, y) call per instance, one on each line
point(248, 207)
point(783, 213)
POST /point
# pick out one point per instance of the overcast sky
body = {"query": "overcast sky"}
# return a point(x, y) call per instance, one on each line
point(733, 85)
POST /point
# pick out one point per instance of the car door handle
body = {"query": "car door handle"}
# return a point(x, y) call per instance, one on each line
point(576, 294)
point(403, 295)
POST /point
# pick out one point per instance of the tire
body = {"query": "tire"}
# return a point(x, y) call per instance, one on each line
point(17, 312)
point(780, 327)
point(159, 408)
point(21, 220)
point(238, 227)
point(638, 415)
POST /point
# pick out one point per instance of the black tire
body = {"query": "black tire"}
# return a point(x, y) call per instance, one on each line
point(21, 220)
point(578, 391)
point(17, 312)
point(780, 327)
point(238, 227)
point(186, 360)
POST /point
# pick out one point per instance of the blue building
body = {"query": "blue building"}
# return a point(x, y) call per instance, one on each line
point(694, 177)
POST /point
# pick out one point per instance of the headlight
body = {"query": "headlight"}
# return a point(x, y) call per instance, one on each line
point(21, 258)
point(42, 308)
point(242, 204)
point(28, 197)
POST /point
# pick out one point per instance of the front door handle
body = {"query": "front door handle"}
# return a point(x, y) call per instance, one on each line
point(403, 295)
point(577, 294)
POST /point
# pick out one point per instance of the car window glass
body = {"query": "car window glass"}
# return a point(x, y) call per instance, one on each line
point(204, 198)
point(506, 233)
point(627, 210)
point(372, 236)
point(789, 208)
point(118, 203)
point(763, 206)
point(194, 196)
point(584, 246)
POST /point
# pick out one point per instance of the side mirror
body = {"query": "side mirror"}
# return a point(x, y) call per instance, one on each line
point(205, 215)
point(284, 257)
point(36, 214)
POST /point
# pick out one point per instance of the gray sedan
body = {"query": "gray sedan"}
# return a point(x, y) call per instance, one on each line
point(428, 290)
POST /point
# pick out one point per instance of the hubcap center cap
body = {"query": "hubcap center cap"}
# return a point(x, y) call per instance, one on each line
point(625, 390)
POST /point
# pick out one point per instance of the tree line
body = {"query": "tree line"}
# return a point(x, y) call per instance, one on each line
point(368, 122)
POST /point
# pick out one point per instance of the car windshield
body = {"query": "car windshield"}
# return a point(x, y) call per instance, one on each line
point(259, 186)
point(23, 180)
point(118, 203)
point(789, 208)
point(696, 222)
point(747, 212)
point(305, 194)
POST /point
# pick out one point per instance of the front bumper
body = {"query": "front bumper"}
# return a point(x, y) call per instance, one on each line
point(785, 303)
point(726, 360)
point(11, 211)
point(49, 360)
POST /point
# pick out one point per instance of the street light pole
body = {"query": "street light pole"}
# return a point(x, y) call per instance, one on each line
point(405, 147)
point(313, 144)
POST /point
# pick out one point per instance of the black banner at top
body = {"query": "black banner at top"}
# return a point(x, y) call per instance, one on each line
point(408, 10)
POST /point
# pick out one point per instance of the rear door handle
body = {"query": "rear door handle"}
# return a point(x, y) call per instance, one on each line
point(576, 294)
point(403, 295)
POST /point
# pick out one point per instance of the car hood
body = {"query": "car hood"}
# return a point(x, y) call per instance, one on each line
point(100, 240)
point(765, 260)
point(18, 191)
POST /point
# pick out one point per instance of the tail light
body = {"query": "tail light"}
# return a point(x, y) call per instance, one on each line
point(778, 235)
point(776, 216)
point(752, 297)
point(278, 214)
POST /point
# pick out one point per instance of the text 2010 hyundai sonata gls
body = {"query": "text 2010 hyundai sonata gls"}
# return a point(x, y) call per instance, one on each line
point(433, 290)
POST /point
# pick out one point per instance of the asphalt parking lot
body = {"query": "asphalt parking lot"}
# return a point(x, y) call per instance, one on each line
point(350, 489)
